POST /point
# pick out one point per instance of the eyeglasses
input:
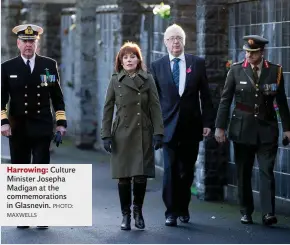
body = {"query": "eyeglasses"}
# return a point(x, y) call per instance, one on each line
point(178, 38)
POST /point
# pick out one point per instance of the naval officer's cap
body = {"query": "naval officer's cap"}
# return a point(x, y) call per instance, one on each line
point(27, 31)
point(254, 43)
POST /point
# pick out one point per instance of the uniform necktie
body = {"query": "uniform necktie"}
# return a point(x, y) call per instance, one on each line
point(255, 71)
point(175, 71)
point(28, 65)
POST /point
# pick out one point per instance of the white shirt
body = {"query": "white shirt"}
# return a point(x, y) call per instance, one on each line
point(260, 68)
point(32, 62)
point(182, 71)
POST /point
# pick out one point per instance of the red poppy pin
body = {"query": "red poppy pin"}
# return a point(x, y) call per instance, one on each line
point(188, 70)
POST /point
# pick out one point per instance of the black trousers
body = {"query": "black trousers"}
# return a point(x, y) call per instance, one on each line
point(244, 158)
point(22, 148)
point(179, 164)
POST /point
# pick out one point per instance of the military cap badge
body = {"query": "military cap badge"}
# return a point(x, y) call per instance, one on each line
point(251, 41)
point(254, 43)
point(28, 30)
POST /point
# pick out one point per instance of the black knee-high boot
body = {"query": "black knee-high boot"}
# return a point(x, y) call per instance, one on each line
point(125, 200)
point(139, 190)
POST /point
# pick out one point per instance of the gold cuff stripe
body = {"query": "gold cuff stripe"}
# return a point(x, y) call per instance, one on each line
point(279, 75)
point(3, 114)
point(60, 115)
point(60, 118)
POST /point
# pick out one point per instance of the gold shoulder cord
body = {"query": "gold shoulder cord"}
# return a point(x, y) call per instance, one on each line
point(279, 75)
point(276, 107)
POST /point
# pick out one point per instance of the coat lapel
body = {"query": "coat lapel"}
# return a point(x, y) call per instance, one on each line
point(22, 65)
point(36, 65)
point(139, 80)
point(23, 71)
point(249, 73)
point(168, 71)
point(265, 71)
point(167, 68)
point(123, 78)
point(189, 70)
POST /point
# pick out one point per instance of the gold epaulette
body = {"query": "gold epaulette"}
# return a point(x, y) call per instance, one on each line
point(60, 115)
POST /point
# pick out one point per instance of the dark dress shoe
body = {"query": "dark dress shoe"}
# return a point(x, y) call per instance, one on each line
point(184, 218)
point(246, 219)
point(171, 221)
point(42, 227)
point(269, 219)
point(22, 227)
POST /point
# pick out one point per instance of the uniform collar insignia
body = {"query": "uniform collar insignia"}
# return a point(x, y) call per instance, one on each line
point(28, 30)
point(266, 63)
point(245, 64)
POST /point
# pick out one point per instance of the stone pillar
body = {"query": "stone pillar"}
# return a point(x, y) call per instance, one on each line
point(53, 29)
point(183, 13)
point(47, 14)
point(36, 13)
point(85, 74)
point(131, 20)
point(10, 17)
point(212, 40)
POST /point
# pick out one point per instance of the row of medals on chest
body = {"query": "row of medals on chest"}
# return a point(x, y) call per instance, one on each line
point(45, 79)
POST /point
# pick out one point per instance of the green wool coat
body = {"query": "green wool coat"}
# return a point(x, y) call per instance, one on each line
point(138, 117)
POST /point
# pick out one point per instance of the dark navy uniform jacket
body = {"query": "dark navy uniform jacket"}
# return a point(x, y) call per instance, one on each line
point(29, 108)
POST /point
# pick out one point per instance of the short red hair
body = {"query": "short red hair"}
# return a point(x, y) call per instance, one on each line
point(129, 48)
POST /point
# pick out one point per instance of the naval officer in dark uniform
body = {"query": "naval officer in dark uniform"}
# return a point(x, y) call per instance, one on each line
point(29, 82)
point(253, 128)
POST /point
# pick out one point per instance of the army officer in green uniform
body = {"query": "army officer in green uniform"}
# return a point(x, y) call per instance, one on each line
point(255, 83)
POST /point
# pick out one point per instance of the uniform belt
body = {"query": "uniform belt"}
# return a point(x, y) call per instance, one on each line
point(247, 108)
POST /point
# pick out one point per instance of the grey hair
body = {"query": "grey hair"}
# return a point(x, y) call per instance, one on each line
point(175, 28)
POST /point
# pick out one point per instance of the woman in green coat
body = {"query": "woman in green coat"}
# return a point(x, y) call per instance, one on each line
point(137, 130)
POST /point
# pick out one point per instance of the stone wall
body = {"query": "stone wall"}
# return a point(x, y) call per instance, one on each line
point(211, 43)
point(184, 14)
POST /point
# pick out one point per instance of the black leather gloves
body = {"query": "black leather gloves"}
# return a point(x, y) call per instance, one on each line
point(285, 141)
point(107, 142)
point(57, 138)
point(157, 141)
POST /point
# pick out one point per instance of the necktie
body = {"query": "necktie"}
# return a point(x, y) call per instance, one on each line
point(175, 71)
point(255, 71)
point(28, 66)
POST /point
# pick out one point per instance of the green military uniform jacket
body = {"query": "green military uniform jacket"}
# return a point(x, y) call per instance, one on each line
point(138, 118)
point(253, 117)
point(30, 100)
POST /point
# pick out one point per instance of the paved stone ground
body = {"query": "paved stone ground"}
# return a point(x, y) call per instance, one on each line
point(210, 223)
